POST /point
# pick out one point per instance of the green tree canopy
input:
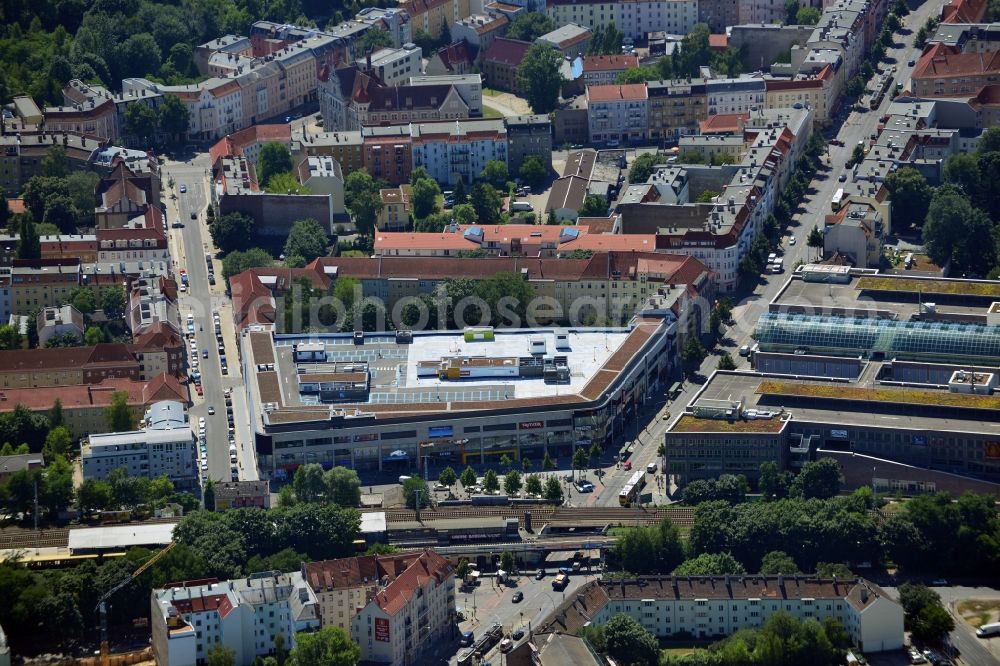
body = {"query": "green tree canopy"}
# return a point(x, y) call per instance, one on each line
point(532, 171)
point(778, 562)
point(495, 173)
point(330, 646)
point(594, 205)
point(343, 486)
point(910, 194)
point(28, 243)
point(807, 16)
point(714, 564)
point(539, 78)
point(529, 26)
point(118, 414)
point(233, 231)
point(629, 643)
point(373, 40)
point(274, 158)
point(425, 197)
point(414, 490)
point(361, 194)
point(237, 262)
point(818, 478)
point(174, 117)
point(306, 239)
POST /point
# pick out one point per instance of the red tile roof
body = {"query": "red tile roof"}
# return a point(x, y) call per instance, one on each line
point(718, 42)
point(631, 91)
point(455, 56)
point(506, 51)
point(609, 63)
point(427, 567)
point(71, 397)
point(16, 206)
point(208, 603)
point(963, 11)
point(944, 61)
point(724, 123)
point(356, 571)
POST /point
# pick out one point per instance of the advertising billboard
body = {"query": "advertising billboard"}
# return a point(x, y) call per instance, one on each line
point(382, 629)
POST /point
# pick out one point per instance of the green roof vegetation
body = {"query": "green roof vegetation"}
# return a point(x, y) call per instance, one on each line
point(955, 287)
point(881, 394)
point(689, 423)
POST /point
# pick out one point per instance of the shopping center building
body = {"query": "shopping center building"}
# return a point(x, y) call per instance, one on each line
point(398, 400)
point(897, 370)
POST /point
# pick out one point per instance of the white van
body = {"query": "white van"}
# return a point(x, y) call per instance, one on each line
point(987, 630)
point(403, 479)
point(521, 207)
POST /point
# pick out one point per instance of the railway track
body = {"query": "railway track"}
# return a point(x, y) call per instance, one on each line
point(56, 537)
point(539, 512)
point(546, 513)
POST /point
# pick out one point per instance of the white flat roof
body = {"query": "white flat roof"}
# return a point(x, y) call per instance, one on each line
point(372, 522)
point(120, 537)
point(589, 350)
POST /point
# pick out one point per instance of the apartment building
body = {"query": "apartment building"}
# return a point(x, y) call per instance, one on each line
point(124, 195)
point(393, 20)
point(345, 147)
point(633, 17)
point(857, 233)
point(617, 114)
point(394, 66)
point(716, 606)
point(528, 135)
point(735, 95)
point(97, 117)
point(395, 213)
point(570, 39)
point(604, 69)
point(432, 15)
point(458, 150)
point(243, 615)
point(454, 58)
point(85, 405)
point(812, 91)
point(675, 108)
point(500, 61)
point(65, 320)
point(83, 246)
point(22, 152)
point(406, 617)
point(719, 14)
point(388, 152)
point(132, 244)
point(944, 71)
point(164, 445)
point(242, 494)
point(508, 240)
point(248, 142)
point(480, 30)
point(344, 587)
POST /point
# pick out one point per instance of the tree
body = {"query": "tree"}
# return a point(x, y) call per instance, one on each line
point(343, 486)
point(533, 485)
point(308, 483)
point(539, 78)
point(306, 239)
point(140, 121)
point(414, 488)
point(989, 141)
point(714, 564)
point(487, 202)
point(220, 655)
point(468, 477)
point(512, 483)
point(727, 487)
point(818, 478)
point(463, 213)
point(94, 495)
point(726, 362)
point(58, 443)
point(657, 549)
point(594, 205)
point(707, 196)
point(56, 414)
point(530, 26)
point(9, 337)
point(547, 463)
point(807, 16)
point(856, 85)
point(914, 597)
point(232, 231)
point(532, 171)
point(772, 484)
point(330, 646)
point(118, 414)
point(778, 562)
point(815, 238)
point(56, 492)
point(962, 170)
point(274, 158)
point(285, 183)
point(494, 173)
point(28, 244)
point(362, 198)
point(113, 302)
point(373, 40)
point(174, 117)
point(693, 353)
point(910, 194)
point(425, 197)
point(491, 483)
point(580, 459)
point(447, 477)
point(237, 262)
point(507, 561)
point(932, 623)
point(54, 164)
point(553, 490)
point(629, 643)
point(60, 211)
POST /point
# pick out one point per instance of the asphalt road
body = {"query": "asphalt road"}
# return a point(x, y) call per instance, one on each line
point(188, 247)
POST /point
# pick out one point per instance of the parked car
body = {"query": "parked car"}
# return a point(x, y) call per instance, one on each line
point(518, 597)
point(184, 188)
point(518, 634)
point(506, 644)
point(745, 350)
point(211, 410)
point(540, 575)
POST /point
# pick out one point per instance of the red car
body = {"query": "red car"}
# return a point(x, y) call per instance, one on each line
point(201, 391)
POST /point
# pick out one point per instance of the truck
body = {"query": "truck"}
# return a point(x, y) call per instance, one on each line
point(560, 581)
point(987, 630)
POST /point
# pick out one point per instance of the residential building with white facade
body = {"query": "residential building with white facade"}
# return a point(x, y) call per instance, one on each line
point(459, 149)
point(63, 320)
point(406, 617)
point(165, 446)
point(717, 606)
point(242, 615)
point(393, 20)
point(617, 113)
point(735, 95)
point(635, 18)
point(394, 66)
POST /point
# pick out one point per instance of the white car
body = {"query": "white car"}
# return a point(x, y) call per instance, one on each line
point(201, 420)
point(791, 240)
point(184, 189)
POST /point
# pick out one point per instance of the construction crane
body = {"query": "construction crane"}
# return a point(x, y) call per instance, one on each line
point(102, 605)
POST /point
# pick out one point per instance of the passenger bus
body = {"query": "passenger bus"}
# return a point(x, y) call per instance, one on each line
point(837, 200)
point(630, 491)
